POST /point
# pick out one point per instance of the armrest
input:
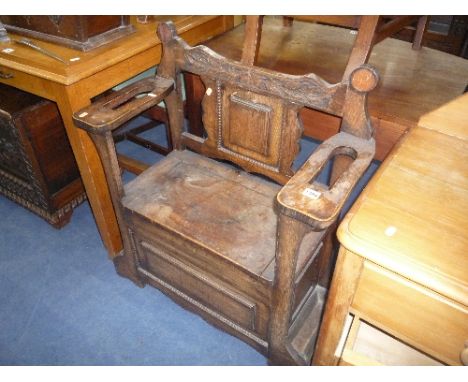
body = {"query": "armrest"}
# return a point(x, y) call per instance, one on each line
point(117, 108)
point(305, 199)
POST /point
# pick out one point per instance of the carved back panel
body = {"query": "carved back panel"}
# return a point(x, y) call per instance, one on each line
point(259, 133)
point(250, 114)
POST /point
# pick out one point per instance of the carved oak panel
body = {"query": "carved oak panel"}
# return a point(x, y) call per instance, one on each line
point(248, 125)
point(260, 133)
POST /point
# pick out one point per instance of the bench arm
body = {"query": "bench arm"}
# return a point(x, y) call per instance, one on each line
point(119, 107)
point(305, 199)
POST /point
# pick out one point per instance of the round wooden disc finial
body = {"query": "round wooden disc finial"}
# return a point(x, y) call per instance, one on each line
point(364, 78)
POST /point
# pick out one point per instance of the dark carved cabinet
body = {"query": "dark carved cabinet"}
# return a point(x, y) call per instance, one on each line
point(37, 166)
point(77, 32)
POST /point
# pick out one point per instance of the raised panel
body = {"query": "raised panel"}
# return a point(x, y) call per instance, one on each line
point(200, 286)
point(249, 126)
point(251, 294)
point(259, 133)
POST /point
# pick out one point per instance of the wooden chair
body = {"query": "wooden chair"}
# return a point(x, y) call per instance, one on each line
point(386, 27)
point(243, 251)
point(377, 27)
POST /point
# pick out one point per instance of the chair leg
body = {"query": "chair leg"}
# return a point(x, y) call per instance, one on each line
point(253, 33)
point(125, 267)
point(288, 21)
point(125, 263)
point(290, 233)
point(419, 34)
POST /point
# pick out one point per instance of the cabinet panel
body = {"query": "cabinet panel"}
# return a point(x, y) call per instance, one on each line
point(37, 166)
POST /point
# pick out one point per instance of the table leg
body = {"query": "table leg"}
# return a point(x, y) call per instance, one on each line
point(70, 99)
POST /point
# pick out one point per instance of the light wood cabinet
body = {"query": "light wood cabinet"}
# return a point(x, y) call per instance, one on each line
point(399, 294)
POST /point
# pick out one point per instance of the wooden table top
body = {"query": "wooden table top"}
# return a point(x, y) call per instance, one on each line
point(412, 82)
point(412, 217)
point(29, 61)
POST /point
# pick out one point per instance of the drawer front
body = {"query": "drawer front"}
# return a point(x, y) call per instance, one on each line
point(37, 80)
point(412, 313)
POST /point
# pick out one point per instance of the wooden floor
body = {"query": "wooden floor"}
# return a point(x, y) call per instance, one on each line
point(412, 82)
